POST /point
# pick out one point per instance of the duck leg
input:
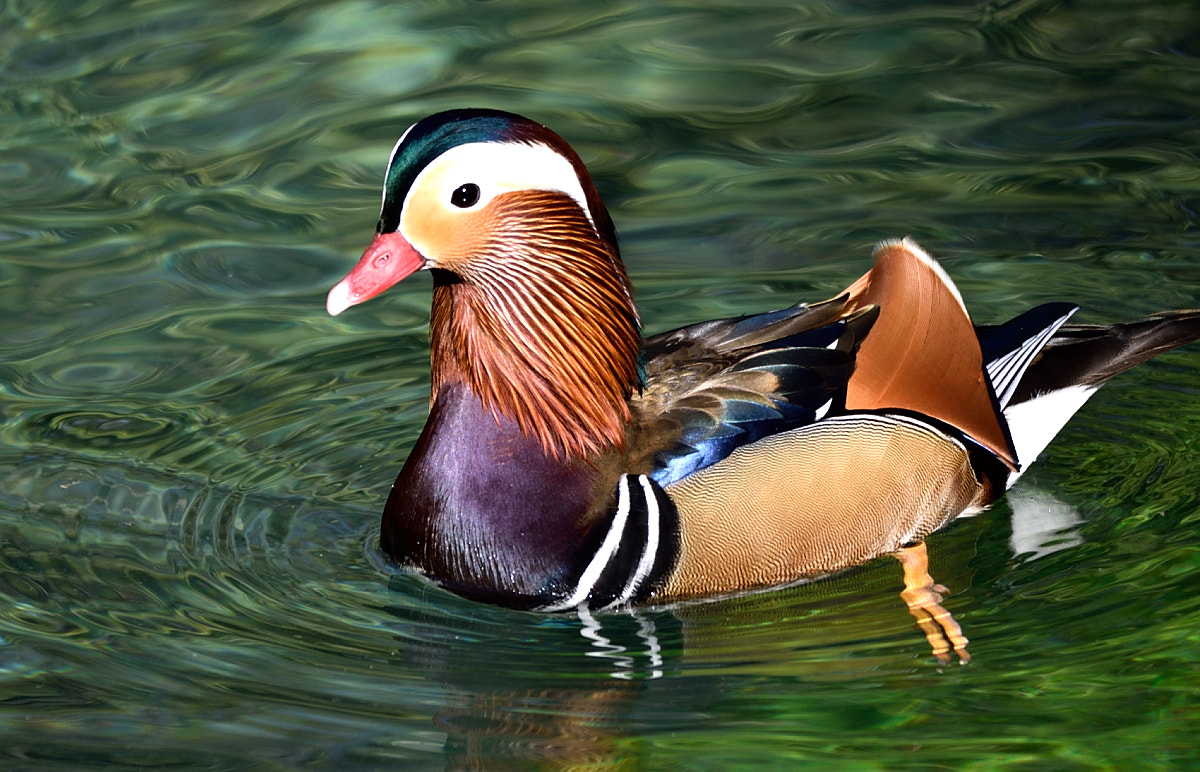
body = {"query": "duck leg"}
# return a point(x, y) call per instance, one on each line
point(924, 600)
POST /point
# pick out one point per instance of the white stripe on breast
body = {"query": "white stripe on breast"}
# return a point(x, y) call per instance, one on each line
point(650, 551)
point(608, 548)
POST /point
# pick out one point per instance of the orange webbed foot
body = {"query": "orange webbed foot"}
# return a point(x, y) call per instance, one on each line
point(924, 600)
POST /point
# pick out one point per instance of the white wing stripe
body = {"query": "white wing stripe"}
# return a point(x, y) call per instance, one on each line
point(1005, 372)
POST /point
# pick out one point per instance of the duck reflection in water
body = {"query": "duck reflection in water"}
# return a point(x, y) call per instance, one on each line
point(522, 691)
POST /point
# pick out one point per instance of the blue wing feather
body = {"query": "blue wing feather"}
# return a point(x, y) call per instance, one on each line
point(748, 378)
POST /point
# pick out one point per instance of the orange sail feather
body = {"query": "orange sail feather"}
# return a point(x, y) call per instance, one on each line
point(923, 354)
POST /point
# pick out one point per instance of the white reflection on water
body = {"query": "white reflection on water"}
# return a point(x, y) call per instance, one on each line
point(1041, 523)
point(624, 659)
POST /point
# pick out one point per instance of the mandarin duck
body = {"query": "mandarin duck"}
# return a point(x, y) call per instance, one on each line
point(569, 463)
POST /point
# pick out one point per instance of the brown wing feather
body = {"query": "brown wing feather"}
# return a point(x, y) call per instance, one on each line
point(693, 370)
point(923, 354)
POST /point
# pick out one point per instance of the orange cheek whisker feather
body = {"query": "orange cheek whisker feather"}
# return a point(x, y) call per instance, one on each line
point(548, 337)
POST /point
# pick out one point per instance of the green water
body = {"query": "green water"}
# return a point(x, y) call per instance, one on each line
point(193, 456)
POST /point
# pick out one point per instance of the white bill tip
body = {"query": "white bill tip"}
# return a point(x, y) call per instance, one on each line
point(339, 298)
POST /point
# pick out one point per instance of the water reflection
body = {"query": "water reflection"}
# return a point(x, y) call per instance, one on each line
point(523, 690)
point(624, 659)
point(1041, 523)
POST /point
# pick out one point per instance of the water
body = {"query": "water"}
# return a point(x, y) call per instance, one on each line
point(193, 456)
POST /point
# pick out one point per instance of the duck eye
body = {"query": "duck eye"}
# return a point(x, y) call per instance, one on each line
point(465, 196)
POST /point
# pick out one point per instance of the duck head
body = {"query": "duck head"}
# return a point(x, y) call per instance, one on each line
point(532, 308)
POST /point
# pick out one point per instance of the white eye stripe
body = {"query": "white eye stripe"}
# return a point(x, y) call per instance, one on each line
point(387, 169)
point(502, 167)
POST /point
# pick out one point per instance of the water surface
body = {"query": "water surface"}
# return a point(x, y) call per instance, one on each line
point(193, 456)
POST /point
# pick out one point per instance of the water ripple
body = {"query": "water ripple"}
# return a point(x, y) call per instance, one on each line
point(193, 456)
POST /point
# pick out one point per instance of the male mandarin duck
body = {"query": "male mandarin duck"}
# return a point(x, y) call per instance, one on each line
point(568, 463)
